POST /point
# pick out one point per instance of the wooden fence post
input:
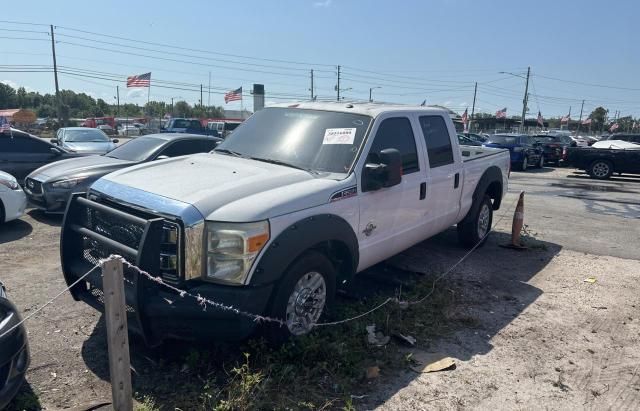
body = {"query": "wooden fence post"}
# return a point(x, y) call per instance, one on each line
point(117, 335)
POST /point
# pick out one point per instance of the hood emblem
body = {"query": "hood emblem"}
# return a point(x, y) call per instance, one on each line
point(369, 229)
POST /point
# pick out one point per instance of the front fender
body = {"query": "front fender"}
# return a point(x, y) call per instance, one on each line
point(319, 231)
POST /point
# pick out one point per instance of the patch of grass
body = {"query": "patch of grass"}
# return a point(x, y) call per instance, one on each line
point(530, 240)
point(147, 404)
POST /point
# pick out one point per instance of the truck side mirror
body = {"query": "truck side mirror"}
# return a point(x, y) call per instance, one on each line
point(386, 173)
point(54, 141)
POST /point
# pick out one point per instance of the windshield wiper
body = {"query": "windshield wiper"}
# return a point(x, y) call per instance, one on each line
point(283, 163)
point(227, 151)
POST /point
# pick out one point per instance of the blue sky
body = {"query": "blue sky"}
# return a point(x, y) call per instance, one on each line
point(412, 50)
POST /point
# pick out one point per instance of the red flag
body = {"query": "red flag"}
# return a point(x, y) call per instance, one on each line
point(613, 127)
point(540, 119)
point(465, 117)
point(501, 113)
point(565, 119)
point(586, 121)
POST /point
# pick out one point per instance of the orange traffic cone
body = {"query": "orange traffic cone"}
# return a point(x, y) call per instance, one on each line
point(516, 227)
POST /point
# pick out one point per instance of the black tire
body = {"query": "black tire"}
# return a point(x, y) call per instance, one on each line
point(469, 233)
point(1, 213)
point(540, 163)
point(600, 169)
point(524, 164)
point(307, 264)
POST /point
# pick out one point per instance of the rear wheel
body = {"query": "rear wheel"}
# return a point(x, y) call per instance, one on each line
point(540, 163)
point(475, 228)
point(600, 169)
point(306, 291)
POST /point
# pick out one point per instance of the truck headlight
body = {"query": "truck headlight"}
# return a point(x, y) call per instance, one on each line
point(69, 183)
point(232, 248)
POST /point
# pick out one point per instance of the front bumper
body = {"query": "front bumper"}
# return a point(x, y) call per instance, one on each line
point(14, 203)
point(44, 198)
point(92, 230)
point(14, 354)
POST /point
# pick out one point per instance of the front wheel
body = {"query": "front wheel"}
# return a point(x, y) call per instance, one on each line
point(306, 291)
point(600, 169)
point(525, 164)
point(475, 228)
point(540, 162)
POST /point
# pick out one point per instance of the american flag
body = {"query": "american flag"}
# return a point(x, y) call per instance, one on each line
point(614, 127)
point(465, 117)
point(501, 113)
point(234, 95)
point(4, 124)
point(143, 80)
point(586, 121)
point(540, 119)
point(564, 119)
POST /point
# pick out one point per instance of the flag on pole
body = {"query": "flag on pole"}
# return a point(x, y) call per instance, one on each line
point(143, 80)
point(565, 119)
point(424, 103)
point(635, 125)
point(540, 119)
point(465, 120)
point(501, 113)
point(234, 95)
point(586, 121)
point(613, 127)
point(4, 124)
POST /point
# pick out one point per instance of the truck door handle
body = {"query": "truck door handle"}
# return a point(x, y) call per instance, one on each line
point(456, 180)
point(423, 191)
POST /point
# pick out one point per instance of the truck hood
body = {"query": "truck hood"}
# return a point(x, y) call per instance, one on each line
point(226, 188)
point(79, 166)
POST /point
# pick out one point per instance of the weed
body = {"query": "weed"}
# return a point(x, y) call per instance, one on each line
point(147, 404)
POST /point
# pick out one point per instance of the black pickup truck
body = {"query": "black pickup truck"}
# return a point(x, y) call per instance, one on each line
point(601, 163)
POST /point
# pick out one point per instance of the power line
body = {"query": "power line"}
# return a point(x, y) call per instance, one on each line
point(196, 50)
point(588, 84)
point(23, 23)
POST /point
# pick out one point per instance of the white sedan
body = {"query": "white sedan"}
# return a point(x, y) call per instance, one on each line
point(12, 199)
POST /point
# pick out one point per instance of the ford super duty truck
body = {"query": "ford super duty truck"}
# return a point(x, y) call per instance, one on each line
point(294, 203)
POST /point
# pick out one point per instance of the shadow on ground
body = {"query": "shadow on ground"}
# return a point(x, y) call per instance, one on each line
point(624, 178)
point(14, 230)
point(25, 400)
point(491, 275)
point(44, 218)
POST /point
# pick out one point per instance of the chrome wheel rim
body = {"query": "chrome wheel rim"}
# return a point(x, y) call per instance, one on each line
point(600, 169)
point(483, 220)
point(306, 302)
point(524, 163)
point(541, 161)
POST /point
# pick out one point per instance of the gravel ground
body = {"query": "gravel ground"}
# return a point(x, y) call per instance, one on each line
point(538, 336)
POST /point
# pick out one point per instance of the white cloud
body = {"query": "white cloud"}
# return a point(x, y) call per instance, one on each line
point(15, 85)
point(136, 93)
point(324, 3)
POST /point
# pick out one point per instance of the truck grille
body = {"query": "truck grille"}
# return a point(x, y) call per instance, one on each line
point(128, 230)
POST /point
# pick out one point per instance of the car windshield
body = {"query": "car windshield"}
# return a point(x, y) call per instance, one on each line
point(90, 135)
point(503, 139)
point(308, 139)
point(138, 149)
point(182, 123)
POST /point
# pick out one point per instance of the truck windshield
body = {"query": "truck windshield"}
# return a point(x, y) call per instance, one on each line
point(310, 139)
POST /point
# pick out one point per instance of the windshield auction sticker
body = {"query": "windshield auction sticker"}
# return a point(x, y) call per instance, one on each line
point(339, 136)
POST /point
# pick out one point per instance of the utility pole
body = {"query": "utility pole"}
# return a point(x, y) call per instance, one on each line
point(524, 100)
point(312, 98)
point(580, 121)
point(201, 102)
point(209, 97)
point(171, 106)
point(117, 100)
point(338, 86)
point(473, 107)
point(568, 119)
point(55, 73)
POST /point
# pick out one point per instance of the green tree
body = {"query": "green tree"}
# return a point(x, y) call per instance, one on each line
point(182, 109)
point(598, 117)
point(7, 96)
point(21, 97)
point(155, 108)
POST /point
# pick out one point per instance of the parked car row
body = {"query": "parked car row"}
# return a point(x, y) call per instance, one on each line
point(619, 153)
point(524, 150)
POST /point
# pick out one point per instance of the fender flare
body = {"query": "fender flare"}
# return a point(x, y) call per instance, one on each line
point(327, 232)
point(491, 175)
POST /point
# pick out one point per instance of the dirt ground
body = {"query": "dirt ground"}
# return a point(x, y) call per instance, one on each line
point(530, 333)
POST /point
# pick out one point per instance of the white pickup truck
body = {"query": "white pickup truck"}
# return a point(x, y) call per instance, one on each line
point(294, 203)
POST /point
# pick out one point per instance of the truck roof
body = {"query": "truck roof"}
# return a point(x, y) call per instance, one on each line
point(359, 107)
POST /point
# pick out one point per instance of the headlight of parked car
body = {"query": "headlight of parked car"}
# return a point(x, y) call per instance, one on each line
point(10, 183)
point(68, 183)
point(232, 248)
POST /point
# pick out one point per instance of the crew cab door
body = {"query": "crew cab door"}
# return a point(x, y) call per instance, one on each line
point(390, 217)
point(443, 176)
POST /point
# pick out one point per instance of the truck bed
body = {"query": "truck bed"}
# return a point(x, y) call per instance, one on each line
point(470, 153)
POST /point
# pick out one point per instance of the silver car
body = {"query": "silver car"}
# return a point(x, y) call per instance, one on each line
point(49, 187)
point(84, 140)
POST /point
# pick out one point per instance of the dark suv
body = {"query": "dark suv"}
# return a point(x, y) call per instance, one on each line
point(631, 138)
point(554, 147)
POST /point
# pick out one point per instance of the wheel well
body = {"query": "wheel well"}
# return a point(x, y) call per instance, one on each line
point(494, 191)
point(2, 216)
point(340, 256)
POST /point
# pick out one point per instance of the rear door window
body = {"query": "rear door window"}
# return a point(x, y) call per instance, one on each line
point(182, 148)
point(396, 133)
point(436, 136)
